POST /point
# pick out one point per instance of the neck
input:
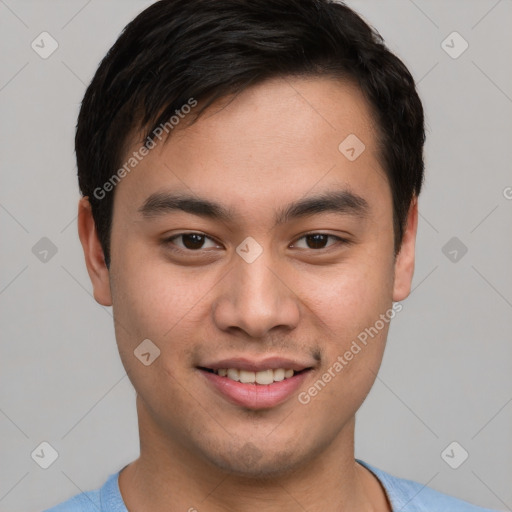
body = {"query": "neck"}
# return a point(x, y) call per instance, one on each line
point(169, 477)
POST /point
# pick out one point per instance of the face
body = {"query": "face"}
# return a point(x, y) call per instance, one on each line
point(249, 242)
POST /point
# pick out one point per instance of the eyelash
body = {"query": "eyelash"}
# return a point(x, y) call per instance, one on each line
point(170, 241)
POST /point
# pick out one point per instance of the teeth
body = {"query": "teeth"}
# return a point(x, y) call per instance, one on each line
point(265, 377)
point(261, 377)
point(247, 377)
point(279, 374)
point(233, 374)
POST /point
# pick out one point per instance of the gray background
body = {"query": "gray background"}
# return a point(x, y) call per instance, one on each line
point(446, 374)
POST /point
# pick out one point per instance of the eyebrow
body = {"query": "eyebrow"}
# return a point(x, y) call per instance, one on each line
point(343, 202)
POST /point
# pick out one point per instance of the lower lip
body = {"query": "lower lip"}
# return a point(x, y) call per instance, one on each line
point(256, 396)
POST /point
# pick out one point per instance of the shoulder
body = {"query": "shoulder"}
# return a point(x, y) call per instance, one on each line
point(409, 496)
point(106, 499)
point(84, 502)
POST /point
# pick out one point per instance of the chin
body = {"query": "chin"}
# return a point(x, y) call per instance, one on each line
point(249, 461)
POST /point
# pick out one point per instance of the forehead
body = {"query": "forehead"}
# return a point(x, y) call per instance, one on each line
point(267, 145)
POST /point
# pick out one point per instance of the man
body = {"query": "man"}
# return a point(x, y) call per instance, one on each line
point(250, 173)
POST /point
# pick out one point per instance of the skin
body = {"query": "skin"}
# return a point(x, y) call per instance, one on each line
point(275, 143)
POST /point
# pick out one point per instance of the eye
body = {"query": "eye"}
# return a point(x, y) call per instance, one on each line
point(317, 241)
point(191, 241)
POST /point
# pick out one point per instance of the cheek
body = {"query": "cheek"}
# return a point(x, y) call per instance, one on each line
point(151, 291)
point(151, 300)
point(349, 314)
point(152, 303)
point(350, 297)
point(353, 310)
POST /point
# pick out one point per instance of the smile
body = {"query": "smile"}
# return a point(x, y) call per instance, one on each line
point(263, 389)
point(263, 377)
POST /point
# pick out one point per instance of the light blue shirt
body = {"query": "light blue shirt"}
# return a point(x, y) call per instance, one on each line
point(404, 496)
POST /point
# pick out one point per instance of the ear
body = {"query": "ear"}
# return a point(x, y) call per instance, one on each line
point(404, 262)
point(94, 258)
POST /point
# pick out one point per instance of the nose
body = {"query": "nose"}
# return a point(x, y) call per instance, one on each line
point(256, 298)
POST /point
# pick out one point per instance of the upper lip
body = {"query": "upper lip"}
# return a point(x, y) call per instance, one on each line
point(253, 365)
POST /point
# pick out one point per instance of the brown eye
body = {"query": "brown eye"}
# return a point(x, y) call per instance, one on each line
point(191, 241)
point(317, 241)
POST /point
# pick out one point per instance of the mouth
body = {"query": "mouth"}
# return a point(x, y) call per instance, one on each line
point(255, 386)
point(262, 377)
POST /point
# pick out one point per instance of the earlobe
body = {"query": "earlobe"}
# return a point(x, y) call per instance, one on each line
point(404, 262)
point(93, 253)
